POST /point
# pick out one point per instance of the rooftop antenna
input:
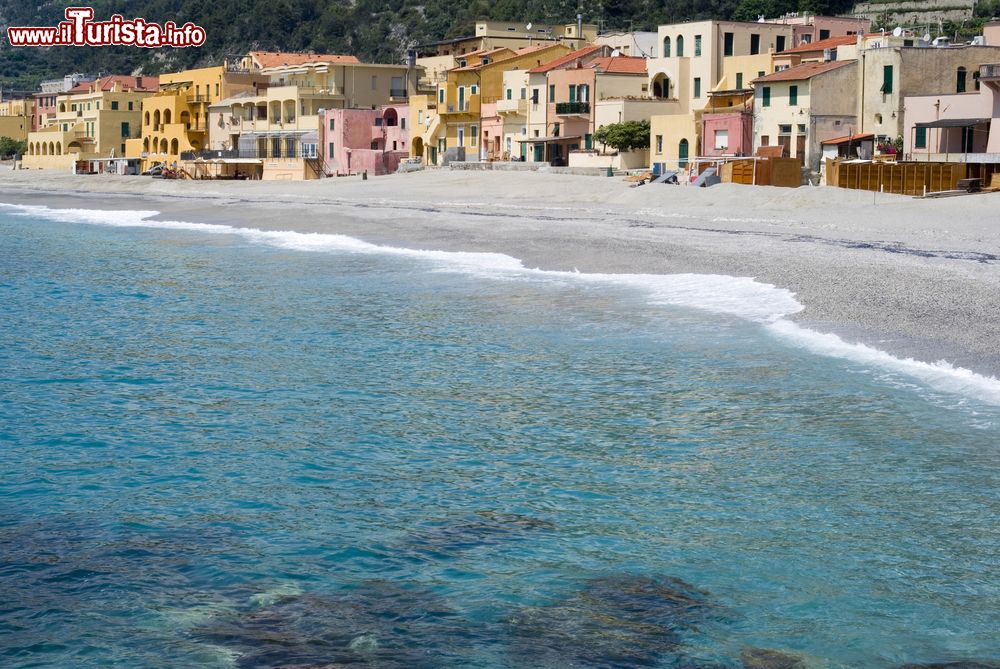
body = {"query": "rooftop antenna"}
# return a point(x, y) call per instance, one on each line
point(897, 31)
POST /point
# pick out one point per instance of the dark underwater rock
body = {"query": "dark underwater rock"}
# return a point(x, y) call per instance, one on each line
point(613, 621)
point(767, 658)
point(376, 624)
point(484, 528)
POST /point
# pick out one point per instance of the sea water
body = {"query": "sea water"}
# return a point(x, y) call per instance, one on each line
point(235, 448)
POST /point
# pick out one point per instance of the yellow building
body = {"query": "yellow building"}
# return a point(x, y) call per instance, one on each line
point(15, 118)
point(175, 120)
point(273, 132)
point(94, 119)
point(452, 131)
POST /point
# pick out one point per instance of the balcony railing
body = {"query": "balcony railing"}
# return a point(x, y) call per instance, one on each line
point(194, 155)
point(397, 92)
point(569, 108)
point(201, 97)
point(512, 106)
point(989, 71)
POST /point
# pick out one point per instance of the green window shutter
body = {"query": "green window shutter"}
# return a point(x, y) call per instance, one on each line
point(510, 94)
point(739, 81)
point(441, 96)
point(572, 93)
point(766, 96)
point(697, 87)
point(920, 142)
point(793, 95)
point(697, 45)
point(552, 93)
point(887, 79)
point(588, 141)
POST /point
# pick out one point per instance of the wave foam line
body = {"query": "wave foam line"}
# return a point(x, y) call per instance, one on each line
point(742, 297)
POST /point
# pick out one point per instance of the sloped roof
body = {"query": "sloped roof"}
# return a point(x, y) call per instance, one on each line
point(570, 57)
point(828, 43)
point(279, 58)
point(804, 71)
point(857, 137)
point(620, 64)
point(126, 82)
point(519, 52)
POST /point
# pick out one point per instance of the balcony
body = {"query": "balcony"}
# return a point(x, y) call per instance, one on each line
point(989, 72)
point(468, 107)
point(513, 106)
point(397, 93)
point(572, 108)
point(201, 98)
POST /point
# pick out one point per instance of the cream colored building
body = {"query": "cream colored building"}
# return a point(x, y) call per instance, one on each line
point(93, 120)
point(690, 65)
point(274, 131)
point(800, 107)
point(491, 35)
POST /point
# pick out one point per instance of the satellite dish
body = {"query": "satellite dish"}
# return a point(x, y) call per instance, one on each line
point(897, 32)
point(760, 18)
point(528, 27)
point(927, 37)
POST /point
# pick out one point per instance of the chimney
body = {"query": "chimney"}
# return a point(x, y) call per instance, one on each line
point(579, 26)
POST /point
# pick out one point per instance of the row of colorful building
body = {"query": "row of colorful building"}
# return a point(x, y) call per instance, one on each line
point(806, 86)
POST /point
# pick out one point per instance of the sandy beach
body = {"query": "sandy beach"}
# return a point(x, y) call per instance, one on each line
point(916, 278)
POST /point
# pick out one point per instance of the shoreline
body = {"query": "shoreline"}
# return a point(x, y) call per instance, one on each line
point(917, 279)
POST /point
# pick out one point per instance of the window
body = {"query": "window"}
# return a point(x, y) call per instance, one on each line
point(754, 45)
point(960, 80)
point(779, 43)
point(761, 73)
point(886, 79)
point(739, 81)
point(583, 93)
point(975, 80)
point(475, 89)
point(824, 34)
point(374, 82)
point(474, 135)
point(765, 140)
point(552, 93)
point(289, 146)
point(659, 143)
point(217, 90)
point(510, 94)
point(785, 129)
point(524, 93)
point(588, 141)
point(329, 149)
point(727, 44)
point(793, 95)
point(534, 96)
point(461, 135)
point(123, 149)
point(114, 105)
point(721, 140)
point(308, 150)
point(572, 93)
point(697, 45)
point(420, 117)
point(333, 123)
point(130, 106)
point(697, 87)
point(402, 123)
point(765, 95)
point(666, 47)
point(920, 141)
point(802, 128)
point(555, 129)
point(440, 96)
point(680, 46)
point(125, 129)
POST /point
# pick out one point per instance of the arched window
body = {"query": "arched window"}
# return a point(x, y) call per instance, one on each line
point(682, 153)
point(666, 47)
point(163, 145)
point(680, 46)
point(960, 80)
point(166, 116)
point(58, 148)
point(156, 120)
point(173, 147)
point(661, 86)
point(145, 144)
point(146, 122)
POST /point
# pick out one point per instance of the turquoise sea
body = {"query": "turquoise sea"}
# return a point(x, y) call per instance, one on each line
point(240, 449)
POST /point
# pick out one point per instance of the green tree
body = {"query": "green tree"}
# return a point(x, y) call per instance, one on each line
point(10, 146)
point(624, 136)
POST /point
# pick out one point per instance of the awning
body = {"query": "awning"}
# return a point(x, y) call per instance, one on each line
point(864, 137)
point(546, 140)
point(953, 123)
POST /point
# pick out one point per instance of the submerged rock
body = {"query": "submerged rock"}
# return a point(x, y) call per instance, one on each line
point(485, 528)
point(614, 621)
point(376, 624)
point(767, 658)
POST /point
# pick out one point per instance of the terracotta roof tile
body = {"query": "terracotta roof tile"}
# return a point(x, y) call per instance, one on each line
point(565, 60)
point(620, 65)
point(128, 83)
point(829, 43)
point(279, 58)
point(804, 71)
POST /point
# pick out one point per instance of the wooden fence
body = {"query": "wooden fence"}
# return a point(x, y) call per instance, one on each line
point(900, 178)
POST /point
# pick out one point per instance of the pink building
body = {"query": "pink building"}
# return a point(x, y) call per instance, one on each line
point(807, 29)
point(492, 129)
point(352, 141)
point(956, 127)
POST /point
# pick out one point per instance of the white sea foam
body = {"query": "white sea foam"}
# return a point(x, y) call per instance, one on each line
point(742, 297)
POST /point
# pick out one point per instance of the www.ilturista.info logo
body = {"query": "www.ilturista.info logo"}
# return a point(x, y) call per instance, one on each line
point(79, 30)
